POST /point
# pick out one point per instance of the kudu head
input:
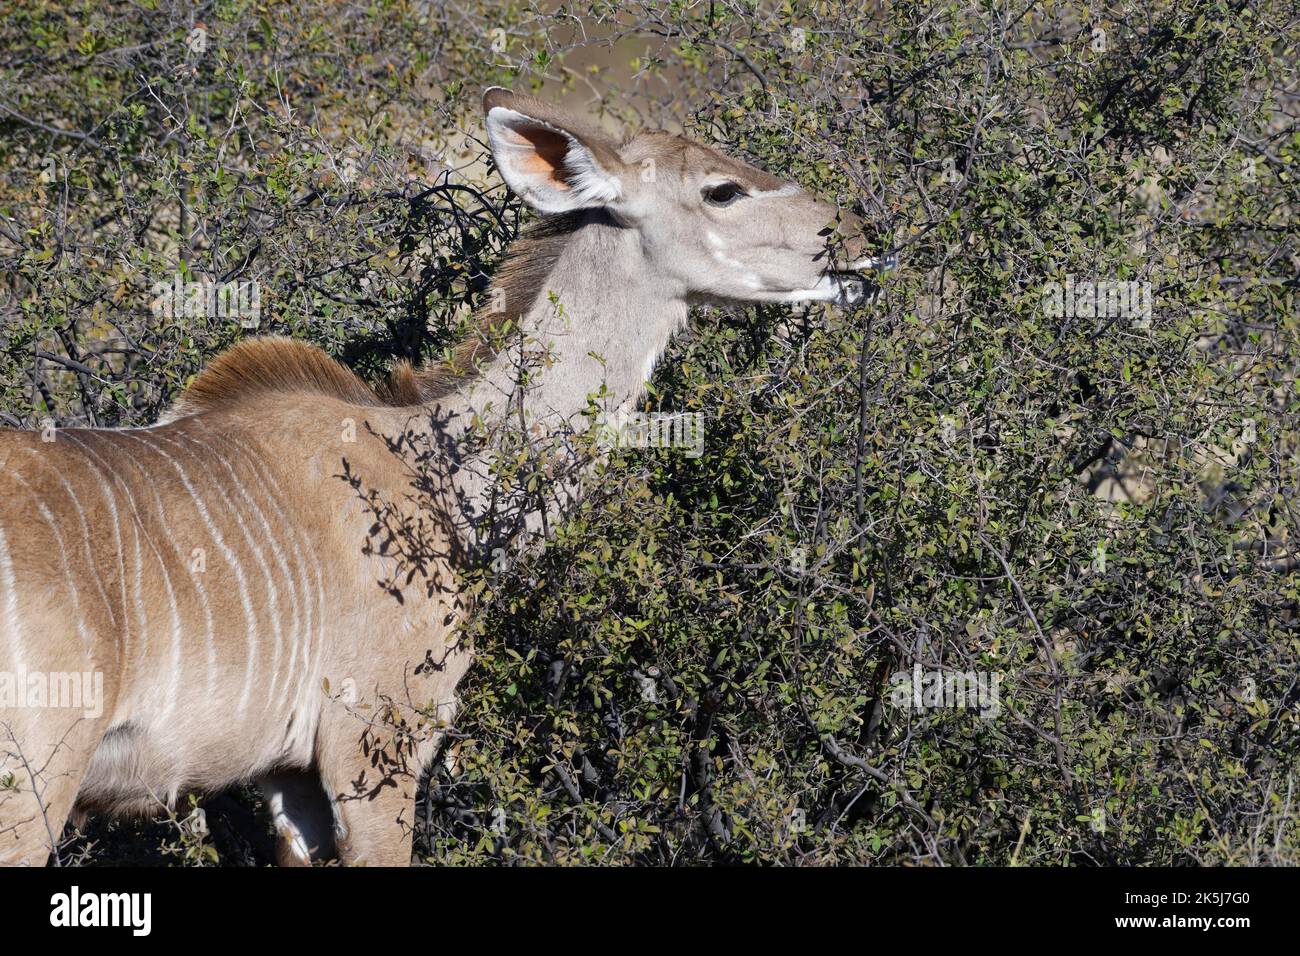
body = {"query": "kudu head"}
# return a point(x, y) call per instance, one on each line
point(712, 228)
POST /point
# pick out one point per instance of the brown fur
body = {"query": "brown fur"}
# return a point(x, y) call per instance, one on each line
point(255, 367)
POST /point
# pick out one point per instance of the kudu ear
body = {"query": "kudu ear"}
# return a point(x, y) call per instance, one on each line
point(552, 161)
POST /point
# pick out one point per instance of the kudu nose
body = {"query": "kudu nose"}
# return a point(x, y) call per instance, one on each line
point(853, 229)
point(856, 244)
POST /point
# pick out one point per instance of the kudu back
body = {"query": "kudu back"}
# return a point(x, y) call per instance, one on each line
point(253, 589)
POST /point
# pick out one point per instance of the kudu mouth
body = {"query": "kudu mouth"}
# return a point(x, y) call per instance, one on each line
point(858, 282)
point(848, 264)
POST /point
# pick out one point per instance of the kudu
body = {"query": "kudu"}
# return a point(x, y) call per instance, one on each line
point(231, 590)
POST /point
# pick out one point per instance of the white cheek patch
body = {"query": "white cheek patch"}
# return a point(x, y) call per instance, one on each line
point(749, 278)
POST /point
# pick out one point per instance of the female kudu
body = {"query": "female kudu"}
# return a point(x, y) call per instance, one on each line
point(252, 589)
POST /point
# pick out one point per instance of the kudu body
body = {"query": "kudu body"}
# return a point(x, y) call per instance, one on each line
point(252, 589)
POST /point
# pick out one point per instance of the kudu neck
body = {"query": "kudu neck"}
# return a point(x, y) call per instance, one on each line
point(594, 326)
point(589, 330)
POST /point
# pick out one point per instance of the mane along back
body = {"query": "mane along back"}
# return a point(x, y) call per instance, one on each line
point(260, 367)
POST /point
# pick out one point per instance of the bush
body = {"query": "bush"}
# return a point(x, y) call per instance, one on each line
point(713, 660)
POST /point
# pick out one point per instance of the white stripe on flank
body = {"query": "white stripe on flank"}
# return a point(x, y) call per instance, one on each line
point(88, 645)
point(250, 617)
point(196, 580)
point(308, 672)
point(313, 653)
point(169, 704)
point(140, 658)
point(281, 565)
point(85, 530)
point(299, 586)
point(268, 574)
point(9, 592)
point(109, 497)
point(178, 630)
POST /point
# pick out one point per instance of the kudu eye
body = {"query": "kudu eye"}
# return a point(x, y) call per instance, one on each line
point(724, 194)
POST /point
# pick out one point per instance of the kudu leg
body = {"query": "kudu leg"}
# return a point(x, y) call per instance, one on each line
point(302, 815)
point(370, 774)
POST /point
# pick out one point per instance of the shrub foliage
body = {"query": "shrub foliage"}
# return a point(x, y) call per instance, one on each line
point(710, 661)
